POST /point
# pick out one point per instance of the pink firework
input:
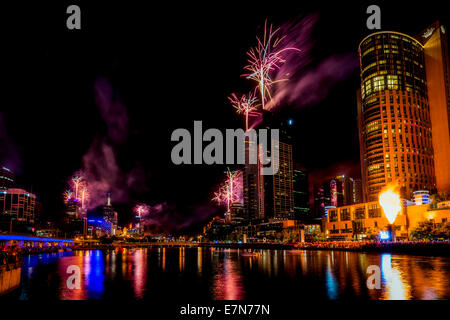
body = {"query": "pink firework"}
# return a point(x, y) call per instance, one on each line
point(76, 184)
point(141, 210)
point(230, 191)
point(84, 196)
point(68, 194)
point(246, 104)
point(266, 57)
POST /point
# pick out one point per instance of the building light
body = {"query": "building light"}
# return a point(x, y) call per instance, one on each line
point(384, 235)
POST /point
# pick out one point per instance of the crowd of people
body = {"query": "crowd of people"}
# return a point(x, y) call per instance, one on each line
point(10, 254)
point(397, 246)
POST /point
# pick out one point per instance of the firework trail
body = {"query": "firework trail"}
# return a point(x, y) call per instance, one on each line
point(76, 183)
point(246, 104)
point(84, 197)
point(68, 195)
point(266, 57)
point(230, 191)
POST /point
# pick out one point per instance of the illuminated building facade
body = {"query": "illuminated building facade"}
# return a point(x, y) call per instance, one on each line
point(237, 213)
point(339, 191)
point(278, 189)
point(394, 115)
point(18, 205)
point(437, 67)
point(366, 220)
point(110, 216)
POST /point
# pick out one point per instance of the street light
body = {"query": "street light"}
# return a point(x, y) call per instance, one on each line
point(390, 202)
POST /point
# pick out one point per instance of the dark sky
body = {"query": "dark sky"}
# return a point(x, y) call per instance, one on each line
point(168, 66)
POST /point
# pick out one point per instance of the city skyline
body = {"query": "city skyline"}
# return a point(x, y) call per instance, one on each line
point(186, 204)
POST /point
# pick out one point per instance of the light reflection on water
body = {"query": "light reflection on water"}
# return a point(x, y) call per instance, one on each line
point(233, 274)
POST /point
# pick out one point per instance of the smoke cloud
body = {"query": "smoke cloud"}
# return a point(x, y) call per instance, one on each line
point(9, 152)
point(309, 82)
point(100, 170)
point(164, 218)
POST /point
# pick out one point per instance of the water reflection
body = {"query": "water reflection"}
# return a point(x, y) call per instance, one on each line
point(233, 274)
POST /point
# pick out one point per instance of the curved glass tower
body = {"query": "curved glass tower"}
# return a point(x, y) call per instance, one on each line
point(394, 115)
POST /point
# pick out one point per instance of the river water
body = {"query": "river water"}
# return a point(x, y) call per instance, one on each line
point(231, 274)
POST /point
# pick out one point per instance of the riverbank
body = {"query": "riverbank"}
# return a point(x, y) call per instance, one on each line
point(10, 277)
point(429, 248)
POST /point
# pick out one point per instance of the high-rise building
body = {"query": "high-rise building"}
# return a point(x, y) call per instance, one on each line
point(437, 67)
point(322, 198)
point(271, 196)
point(336, 192)
point(301, 194)
point(19, 206)
point(6, 178)
point(253, 208)
point(236, 213)
point(110, 216)
point(278, 192)
point(394, 115)
point(357, 191)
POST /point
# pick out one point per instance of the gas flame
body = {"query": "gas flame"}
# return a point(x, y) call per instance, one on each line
point(390, 202)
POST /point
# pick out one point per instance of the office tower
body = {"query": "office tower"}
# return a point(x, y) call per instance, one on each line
point(278, 188)
point(357, 191)
point(19, 206)
point(271, 196)
point(6, 178)
point(394, 115)
point(109, 216)
point(437, 67)
point(322, 198)
point(301, 194)
point(236, 213)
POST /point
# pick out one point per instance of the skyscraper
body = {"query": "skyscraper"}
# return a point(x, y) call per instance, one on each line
point(394, 115)
point(301, 196)
point(278, 190)
point(271, 196)
point(110, 216)
point(437, 67)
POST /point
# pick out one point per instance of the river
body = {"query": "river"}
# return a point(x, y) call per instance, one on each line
point(227, 274)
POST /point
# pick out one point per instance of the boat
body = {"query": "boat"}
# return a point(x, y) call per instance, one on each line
point(10, 277)
point(250, 253)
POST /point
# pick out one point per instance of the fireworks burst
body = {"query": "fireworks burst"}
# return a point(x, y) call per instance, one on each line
point(141, 210)
point(266, 57)
point(68, 195)
point(230, 191)
point(78, 191)
point(246, 104)
point(76, 183)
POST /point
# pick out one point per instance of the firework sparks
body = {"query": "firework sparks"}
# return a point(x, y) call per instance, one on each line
point(141, 210)
point(230, 191)
point(76, 183)
point(266, 57)
point(68, 195)
point(246, 104)
point(84, 196)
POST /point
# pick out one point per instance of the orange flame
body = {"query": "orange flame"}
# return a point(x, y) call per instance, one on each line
point(390, 202)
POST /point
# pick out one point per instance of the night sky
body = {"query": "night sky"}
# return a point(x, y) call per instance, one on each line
point(167, 66)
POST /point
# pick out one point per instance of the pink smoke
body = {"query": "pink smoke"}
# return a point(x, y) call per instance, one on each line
point(306, 85)
point(100, 169)
point(164, 218)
